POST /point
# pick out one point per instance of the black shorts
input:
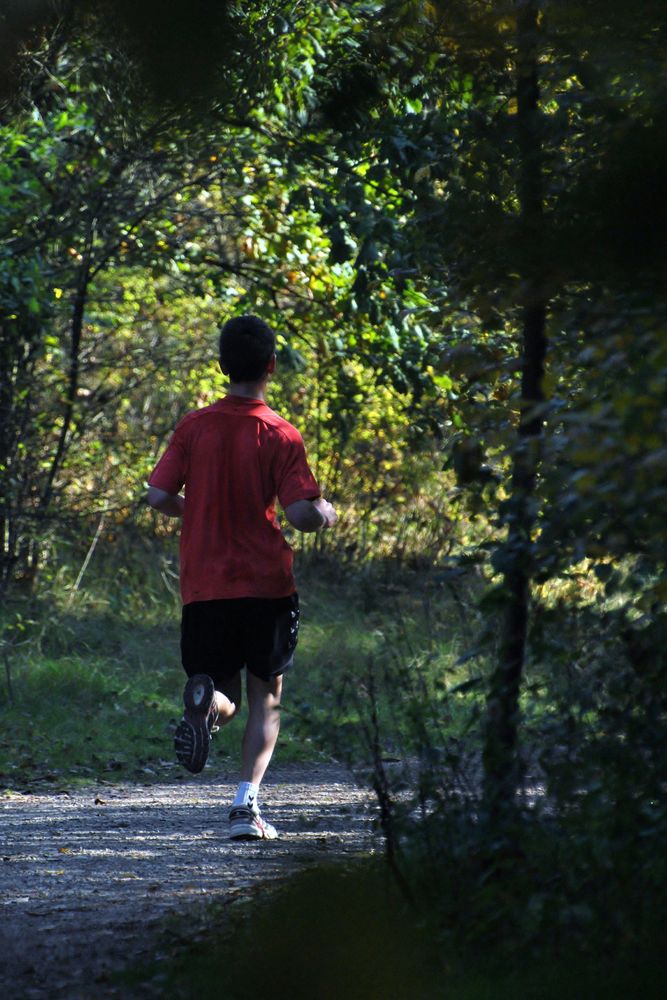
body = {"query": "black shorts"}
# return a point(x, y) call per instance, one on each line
point(219, 638)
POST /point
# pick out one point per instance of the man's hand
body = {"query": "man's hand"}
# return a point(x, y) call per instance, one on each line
point(311, 515)
point(327, 511)
point(165, 502)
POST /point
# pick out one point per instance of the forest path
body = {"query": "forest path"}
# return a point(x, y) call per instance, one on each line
point(88, 878)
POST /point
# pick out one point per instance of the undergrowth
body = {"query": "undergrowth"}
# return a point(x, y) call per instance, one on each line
point(568, 900)
point(92, 681)
point(348, 933)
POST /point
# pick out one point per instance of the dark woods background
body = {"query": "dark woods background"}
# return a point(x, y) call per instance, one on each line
point(454, 216)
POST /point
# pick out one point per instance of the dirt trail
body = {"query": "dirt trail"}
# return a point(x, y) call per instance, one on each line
point(87, 879)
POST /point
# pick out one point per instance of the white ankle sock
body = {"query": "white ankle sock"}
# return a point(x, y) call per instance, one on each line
point(247, 794)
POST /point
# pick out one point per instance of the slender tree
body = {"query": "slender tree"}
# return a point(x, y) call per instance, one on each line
point(500, 750)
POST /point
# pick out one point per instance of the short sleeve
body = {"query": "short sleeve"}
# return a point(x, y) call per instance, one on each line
point(294, 480)
point(170, 472)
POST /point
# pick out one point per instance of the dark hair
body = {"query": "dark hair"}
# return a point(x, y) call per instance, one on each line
point(247, 344)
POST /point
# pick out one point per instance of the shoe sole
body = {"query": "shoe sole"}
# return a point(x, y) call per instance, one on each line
point(192, 735)
point(250, 836)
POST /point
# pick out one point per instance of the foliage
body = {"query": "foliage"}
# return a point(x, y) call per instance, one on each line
point(149, 232)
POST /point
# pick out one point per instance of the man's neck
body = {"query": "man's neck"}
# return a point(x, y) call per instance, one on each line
point(251, 390)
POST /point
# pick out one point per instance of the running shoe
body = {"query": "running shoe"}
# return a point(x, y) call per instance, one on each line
point(193, 733)
point(246, 823)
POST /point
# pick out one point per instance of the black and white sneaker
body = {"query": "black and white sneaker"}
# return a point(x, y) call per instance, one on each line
point(246, 823)
point(193, 733)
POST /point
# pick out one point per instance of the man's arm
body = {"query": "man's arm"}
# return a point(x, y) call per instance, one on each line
point(311, 515)
point(165, 502)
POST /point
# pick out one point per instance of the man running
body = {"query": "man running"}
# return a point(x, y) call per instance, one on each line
point(240, 606)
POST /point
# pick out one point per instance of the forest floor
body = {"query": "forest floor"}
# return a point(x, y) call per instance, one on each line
point(102, 878)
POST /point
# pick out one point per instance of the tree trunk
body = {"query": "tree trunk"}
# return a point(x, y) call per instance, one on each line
point(501, 758)
point(72, 380)
point(19, 346)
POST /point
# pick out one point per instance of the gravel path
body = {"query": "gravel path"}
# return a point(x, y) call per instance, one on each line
point(88, 878)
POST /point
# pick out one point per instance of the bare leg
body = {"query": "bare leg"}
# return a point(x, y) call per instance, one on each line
point(228, 700)
point(262, 728)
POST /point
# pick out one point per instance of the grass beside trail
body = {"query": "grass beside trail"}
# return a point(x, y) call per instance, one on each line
point(96, 680)
point(94, 697)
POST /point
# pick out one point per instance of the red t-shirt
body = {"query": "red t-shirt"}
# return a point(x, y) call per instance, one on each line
point(234, 458)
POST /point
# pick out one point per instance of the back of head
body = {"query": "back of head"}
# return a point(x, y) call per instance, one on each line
point(247, 344)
